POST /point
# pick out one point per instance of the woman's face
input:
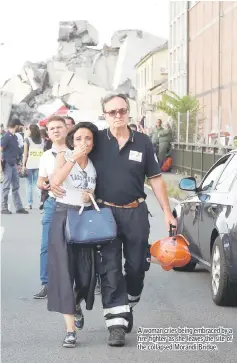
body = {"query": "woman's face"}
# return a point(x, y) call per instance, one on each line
point(83, 136)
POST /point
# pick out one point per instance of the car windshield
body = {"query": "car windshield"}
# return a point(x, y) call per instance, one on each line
point(212, 176)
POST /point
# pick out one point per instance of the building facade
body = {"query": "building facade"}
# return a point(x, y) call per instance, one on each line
point(151, 79)
point(178, 51)
point(212, 75)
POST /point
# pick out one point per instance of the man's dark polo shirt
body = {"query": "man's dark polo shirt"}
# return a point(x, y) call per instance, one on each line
point(121, 173)
point(10, 146)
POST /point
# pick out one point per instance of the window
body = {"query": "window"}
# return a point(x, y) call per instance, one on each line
point(210, 179)
point(138, 80)
point(227, 177)
point(145, 77)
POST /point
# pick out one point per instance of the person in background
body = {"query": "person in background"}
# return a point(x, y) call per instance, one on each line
point(10, 152)
point(133, 127)
point(234, 144)
point(2, 130)
point(46, 139)
point(57, 132)
point(47, 146)
point(154, 135)
point(165, 138)
point(20, 137)
point(70, 122)
point(33, 150)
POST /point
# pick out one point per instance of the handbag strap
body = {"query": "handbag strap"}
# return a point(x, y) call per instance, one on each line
point(93, 202)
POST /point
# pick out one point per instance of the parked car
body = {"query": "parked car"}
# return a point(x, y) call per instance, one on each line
point(208, 219)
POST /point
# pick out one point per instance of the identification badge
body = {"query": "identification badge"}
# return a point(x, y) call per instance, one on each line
point(135, 156)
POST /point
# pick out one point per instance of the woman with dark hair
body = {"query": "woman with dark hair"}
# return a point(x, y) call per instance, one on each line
point(70, 264)
point(46, 140)
point(33, 150)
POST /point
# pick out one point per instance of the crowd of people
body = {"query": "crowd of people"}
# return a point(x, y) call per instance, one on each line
point(161, 138)
point(74, 165)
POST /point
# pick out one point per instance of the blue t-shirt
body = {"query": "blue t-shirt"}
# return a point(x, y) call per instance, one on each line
point(11, 150)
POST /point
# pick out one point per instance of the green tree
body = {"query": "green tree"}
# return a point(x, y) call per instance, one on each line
point(173, 105)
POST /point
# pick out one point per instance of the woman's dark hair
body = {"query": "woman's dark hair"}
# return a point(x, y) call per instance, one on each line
point(35, 134)
point(81, 125)
point(43, 133)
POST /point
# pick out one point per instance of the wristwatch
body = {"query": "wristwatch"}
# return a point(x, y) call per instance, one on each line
point(70, 158)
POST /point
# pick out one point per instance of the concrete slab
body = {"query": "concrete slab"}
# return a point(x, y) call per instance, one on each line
point(79, 29)
point(21, 91)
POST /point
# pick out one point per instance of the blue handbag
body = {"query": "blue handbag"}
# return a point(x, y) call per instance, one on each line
point(90, 227)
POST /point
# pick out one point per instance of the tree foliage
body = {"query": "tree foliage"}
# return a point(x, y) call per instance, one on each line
point(173, 105)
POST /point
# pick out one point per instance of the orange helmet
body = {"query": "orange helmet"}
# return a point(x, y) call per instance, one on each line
point(171, 252)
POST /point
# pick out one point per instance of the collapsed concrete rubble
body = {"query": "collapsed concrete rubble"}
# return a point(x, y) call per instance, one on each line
point(80, 73)
point(6, 99)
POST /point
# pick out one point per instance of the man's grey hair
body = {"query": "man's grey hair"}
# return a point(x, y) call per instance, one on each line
point(109, 96)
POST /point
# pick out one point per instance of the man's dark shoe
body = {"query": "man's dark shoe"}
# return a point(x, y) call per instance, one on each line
point(130, 322)
point(22, 211)
point(42, 294)
point(116, 337)
point(6, 211)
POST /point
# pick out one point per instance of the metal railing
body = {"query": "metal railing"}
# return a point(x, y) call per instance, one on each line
point(196, 160)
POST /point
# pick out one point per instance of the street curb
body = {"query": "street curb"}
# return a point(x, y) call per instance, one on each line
point(172, 200)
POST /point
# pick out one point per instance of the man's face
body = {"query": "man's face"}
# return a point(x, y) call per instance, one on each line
point(158, 123)
point(69, 123)
point(116, 112)
point(57, 131)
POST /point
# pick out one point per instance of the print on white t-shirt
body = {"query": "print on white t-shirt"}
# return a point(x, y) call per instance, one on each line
point(77, 181)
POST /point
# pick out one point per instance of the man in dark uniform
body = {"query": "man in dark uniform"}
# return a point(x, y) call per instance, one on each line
point(123, 158)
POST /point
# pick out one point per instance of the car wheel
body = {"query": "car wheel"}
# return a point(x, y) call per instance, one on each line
point(187, 268)
point(224, 292)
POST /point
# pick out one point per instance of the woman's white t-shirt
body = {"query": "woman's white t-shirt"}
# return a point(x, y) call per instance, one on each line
point(77, 181)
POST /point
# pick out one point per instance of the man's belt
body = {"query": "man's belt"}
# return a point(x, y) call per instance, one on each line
point(133, 204)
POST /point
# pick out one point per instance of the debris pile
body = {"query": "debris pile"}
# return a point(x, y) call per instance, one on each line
point(80, 73)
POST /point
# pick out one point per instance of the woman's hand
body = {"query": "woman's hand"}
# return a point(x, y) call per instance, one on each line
point(79, 151)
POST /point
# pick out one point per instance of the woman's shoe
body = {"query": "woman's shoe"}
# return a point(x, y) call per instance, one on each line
point(70, 340)
point(79, 318)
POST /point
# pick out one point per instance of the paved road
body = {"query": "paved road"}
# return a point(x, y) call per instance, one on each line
point(30, 334)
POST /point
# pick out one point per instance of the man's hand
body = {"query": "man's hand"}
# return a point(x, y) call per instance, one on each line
point(57, 191)
point(170, 220)
point(159, 188)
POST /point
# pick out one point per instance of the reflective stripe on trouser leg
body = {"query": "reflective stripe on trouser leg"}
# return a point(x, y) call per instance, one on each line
point(116, 316)
point(113, 287)
point(133, 300)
